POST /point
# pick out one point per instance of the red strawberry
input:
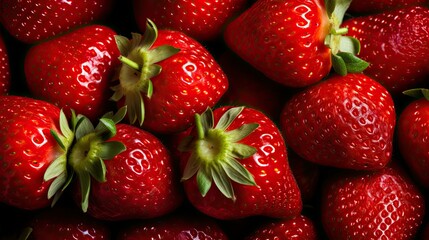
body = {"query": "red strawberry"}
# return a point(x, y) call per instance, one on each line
point(166, 78)
point(201, 20)
point(4, 68)
point(28, 148)
point(241, 152)
point(345, 122)
point(300, 227)
point(75, 70)
point(396, 43)
point(382, 204)
point(251, 88)
point(66, 223)
point(294, 42)
point(35, 20)
point(175, 227)
point(413, 137)
point(377, 6)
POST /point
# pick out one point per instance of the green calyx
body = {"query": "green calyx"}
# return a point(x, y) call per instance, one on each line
point(215, 153)
point(417, 93)
point(343, 48)
point(138, 67)
point(85, 149)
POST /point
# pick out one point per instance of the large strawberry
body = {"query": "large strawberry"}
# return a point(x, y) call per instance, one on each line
point(201, 20)
point(383, 204)
point(166, 78)
point(75, 70)
point(377, 6)
point(4, 68)
point(140, 182)
point(34, 20)
point(28, 148)
point(295, 42)
point(235, 165)
point(396, 43)
point(413, 135)
point(344, 121)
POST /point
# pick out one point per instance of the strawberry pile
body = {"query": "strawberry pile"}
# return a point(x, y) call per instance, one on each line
point(234, 119)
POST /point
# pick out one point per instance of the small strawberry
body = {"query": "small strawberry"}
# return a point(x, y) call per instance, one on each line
point(74, 71)
point(295, 42)
point(35, 20)
point(201, 20)
point(383, 204)
point(396, 43)
point(4, 68)
point(66, 223)
point(178, 226)
point(300, 227)
point(413, 135)
point(139, 182)
point(241, 152)
point(344, 121)
point(166, 78)
point(378, 6)
point(28, 148)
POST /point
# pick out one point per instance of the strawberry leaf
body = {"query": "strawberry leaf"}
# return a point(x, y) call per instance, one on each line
point(221, 179)
point(204, 181)
point(109, 150)
point(339, 65)
point(353, 63)
point(238, 173)
point(85, 186)
point(228, 118)
point(241, 132)
point(417, 93)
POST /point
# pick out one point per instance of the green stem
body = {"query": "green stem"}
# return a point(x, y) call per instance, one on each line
point(130, 63)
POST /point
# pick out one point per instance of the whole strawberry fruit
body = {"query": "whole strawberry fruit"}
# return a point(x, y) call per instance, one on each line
point(235, 165)
point(75, 70)
point(201, 20)
point(300, 227)
point(34, 20)
point(4, 68)
point(413, 136)
point(383, 204)
point(344, 121)
point(166, 78)
point(396, 43)
point(28, 148)
point(138, 182)
point(295, 42)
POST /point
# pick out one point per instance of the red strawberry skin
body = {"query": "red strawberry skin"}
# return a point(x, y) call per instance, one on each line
point(4, 68)
point(383, 204)
point(202, 20)
point(140, 182)
point(190, 81)
point(291, 52)
point(28, 149)
point(345, 122)
point(377, 6)
point(396, 45)
point(413, 138)
point(300, 227)
point(34, 20)
point(66, 223)
point(74, 71)
point(276, 194)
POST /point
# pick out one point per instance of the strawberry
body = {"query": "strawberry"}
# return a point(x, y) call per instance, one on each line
point(4, 68)
point(344, 121)
point(28, 148)
point(31, 21)
point(139, 182)
point(201, 20)
point(295, 43)
point(66, 223)
point(377, 6)
point(244, 81)
point(166, 78)
point(300, 227)
point(413, 135)
point(242, 152)
point(175, 227)
point(396, 44)
point(74, 71)
point(382, 204)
